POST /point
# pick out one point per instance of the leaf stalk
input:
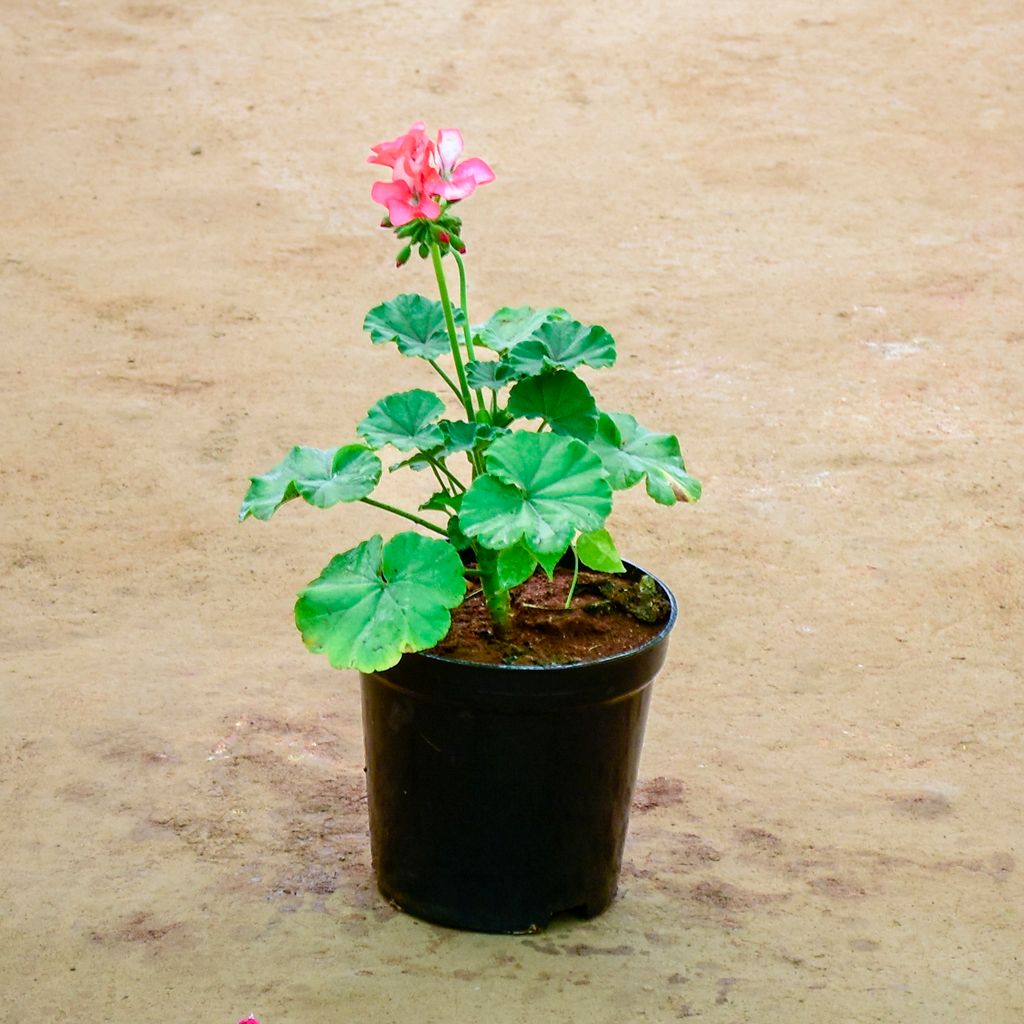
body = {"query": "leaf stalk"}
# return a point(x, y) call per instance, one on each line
point(418, 520)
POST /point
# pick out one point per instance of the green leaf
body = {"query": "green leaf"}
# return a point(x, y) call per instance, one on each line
point(515, 565)
point(539, 489)
point(631, 453)
point(413, 322)
point(509, 326)
point(456, 537)
point(376, 602)
point(416, 462)
point(442, 501)
point(321, 477)
point(597, 551)
point(460, 436)
point(563, 345)
point(407, 420)
point(561, 399)
point(549, 562)
point(492, 375)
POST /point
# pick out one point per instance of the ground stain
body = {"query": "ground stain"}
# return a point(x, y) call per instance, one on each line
point(925, 804)
point(658, 792)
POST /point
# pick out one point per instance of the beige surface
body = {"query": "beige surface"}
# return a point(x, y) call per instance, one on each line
point(803, 224)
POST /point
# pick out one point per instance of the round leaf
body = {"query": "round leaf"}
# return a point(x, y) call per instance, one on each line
point(414, 323)
point(561, 399)
point(407, 420)
point(460, 436)
point(597, 550)
point(631, 453)
point(539, 489)
point(376, 602)
point(492, 374)
point(321, 477)
point(514, 565)
point(563, 345)
point(509, 326)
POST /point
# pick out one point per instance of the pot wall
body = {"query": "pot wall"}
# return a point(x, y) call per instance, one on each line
point(499, 795)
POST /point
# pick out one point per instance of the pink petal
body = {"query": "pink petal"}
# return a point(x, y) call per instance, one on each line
point(384, 192)
point(388, 153)
point(400, 212)
point(396, 196)
point(402, 203)
point(449, 149)
point(433, 184)
point(477, 169)
point(428, 208)
point(465, 179)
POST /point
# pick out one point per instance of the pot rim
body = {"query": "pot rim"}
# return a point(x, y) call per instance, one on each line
point(495, 686)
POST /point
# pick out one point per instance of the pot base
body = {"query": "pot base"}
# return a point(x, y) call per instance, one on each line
point(503, 924)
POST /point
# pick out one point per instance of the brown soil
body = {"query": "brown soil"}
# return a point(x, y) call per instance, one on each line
point(608, 615)
point(803, 224)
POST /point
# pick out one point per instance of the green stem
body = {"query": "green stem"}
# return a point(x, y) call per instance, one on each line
point(462, 302)
point(575, 577)
point(466, 330)
point(446, 378)
point(453, 338)
point(405, 515)
point(437, 464)
point(438, 478)
point(496, 597)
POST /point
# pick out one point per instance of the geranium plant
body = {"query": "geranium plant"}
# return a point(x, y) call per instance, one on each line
point(523, 464)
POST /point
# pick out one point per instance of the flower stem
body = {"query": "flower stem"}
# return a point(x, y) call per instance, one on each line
point(405, 515)
point(466, 329)
point(453, 338)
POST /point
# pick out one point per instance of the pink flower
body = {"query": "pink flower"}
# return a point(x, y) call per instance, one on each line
point(408, 156)
point(405, 196)
point(404, 203)
point(423, 172)
point(454, 180)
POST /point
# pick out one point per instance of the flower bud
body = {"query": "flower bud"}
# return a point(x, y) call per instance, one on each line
point(458, 244)
point(403, 256)
point(424, 251)
point(443, 237)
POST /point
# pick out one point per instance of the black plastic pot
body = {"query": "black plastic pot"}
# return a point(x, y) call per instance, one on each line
point(499, 795)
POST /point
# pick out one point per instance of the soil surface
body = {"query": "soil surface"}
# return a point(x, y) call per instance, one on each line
point(803, 224)
point(605, 615)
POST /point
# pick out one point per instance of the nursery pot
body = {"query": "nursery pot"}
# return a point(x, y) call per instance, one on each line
point(499, 795)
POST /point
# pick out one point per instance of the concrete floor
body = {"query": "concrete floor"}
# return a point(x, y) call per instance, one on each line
point(802, 223)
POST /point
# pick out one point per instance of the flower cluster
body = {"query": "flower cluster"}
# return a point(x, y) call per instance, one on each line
point(423, 172)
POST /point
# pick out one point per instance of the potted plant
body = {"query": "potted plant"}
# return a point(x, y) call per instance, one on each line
point(506, 651)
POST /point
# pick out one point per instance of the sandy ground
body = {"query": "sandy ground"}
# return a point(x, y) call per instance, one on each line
point(803, 223)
